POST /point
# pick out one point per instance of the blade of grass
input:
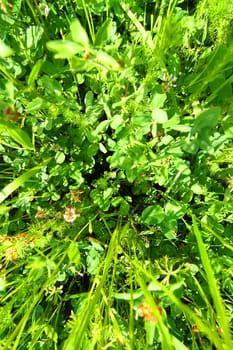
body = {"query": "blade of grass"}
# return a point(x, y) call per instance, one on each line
point(145, 35)
point(19, 181)
point(89, 20)
point(116, 327)
point(14, 339)
point(222, 240)
point(203, 325)
point(166, 337)
point(16, 133)
point(218, 303)
point(79, 329)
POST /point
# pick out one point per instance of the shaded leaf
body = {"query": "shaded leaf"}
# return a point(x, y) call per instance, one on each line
point(206, 119)
point(152, 215)
point(35, 72)
point(104, 33)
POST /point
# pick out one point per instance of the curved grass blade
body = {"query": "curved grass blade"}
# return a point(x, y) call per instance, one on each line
point(214, 290)
point(16, 133)
point(19, 181)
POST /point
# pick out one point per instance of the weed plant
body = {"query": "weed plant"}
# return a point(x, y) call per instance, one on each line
point(116, 179)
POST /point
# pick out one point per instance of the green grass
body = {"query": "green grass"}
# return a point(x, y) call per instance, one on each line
point(116, 175)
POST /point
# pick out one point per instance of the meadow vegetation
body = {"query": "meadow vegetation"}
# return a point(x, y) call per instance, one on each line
point(116, 151)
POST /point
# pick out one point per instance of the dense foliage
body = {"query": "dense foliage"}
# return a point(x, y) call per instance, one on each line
point(116, 128)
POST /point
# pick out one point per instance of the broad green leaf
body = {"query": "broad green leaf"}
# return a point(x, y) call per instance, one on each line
point(52, 68)
point(154, 287)
point(52, 86)
point(142, 122)
point(102, 127)
point(174, 210)
point(124, 208)
point(102, 148)
point(4, 209)
point(117, 121)
point(207, 119)
point(80, 65)
point(5, 51)
point(34, 73)
point(36, 104)
point(60, 157)
point(79, 34)
point(16, 133)
point(33, 36)
point(159, 116)
point(37, 313)
point(198, 189)
point(104, 33)
point(152, 215)
point(107, 61)
point(89, 98)
point(73, 253)
point(172, 122)
point(10, 89)
point(19, 181)
point(64, 48)
point(181, 128)
point(158, 100)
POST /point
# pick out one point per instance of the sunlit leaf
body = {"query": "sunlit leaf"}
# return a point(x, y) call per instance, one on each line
point(158, 100)
point(107, 61)
point(33, 36)
point(60, 157)
point(79, 34)
point(5, 50)
point(73, 253)
point(51, 333)
point(159, 116)
point(64, 48)
point(16, 133)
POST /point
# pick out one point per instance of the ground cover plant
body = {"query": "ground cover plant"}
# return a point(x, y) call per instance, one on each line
point(116, 210)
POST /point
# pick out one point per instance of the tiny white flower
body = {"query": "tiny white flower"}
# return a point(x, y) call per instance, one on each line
point(44, 9)
point(70, 214)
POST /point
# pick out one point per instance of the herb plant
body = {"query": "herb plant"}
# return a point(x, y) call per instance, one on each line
point(116, 174)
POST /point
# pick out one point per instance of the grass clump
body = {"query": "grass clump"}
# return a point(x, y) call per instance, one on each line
point(116, 175)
